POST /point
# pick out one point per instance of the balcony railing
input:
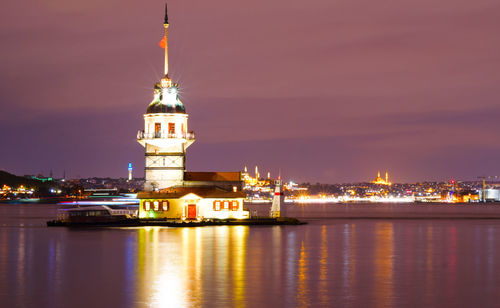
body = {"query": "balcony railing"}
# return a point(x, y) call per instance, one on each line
point(163, 135)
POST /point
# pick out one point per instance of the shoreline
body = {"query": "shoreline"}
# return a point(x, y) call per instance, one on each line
point(179, 224)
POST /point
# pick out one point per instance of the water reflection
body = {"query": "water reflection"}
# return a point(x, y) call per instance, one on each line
point(323, 267)
point(383, 284)
point(429, 263)
point(326, 263)
point(21, 262)
point(302, 278)
point(177, 266)
point(349, 259)
point(239, 269)
point(352, 257)
point(451, 262)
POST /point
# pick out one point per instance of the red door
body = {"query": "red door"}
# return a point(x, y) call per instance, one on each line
point(191, 211)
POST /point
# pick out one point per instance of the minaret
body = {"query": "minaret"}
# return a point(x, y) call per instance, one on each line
point(165, 136)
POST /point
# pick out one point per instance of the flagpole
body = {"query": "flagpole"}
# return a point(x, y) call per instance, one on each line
point(165, 24)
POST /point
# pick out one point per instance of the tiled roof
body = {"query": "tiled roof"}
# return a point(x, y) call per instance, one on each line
point(213, 176)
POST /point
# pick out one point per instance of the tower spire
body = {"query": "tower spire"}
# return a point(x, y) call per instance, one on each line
point(165, 24)
point(166, 15)
point(165, 136)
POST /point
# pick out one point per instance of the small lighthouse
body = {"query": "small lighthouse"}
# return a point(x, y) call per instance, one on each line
point(165, 136)
point(278, 206)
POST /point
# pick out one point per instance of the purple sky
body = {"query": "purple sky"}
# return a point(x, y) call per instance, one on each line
point(328, 91)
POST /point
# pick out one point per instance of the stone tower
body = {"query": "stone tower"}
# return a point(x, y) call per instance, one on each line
point(165, 136)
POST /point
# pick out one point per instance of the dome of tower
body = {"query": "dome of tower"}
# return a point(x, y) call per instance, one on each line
point(158, 107)
point(166, 98)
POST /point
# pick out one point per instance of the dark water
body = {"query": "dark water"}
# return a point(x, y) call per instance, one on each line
point(329, 262)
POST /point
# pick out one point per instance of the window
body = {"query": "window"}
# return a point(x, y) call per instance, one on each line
point(226, 205)
point(216, 205)
point(147, 205)
point(164, 205)
point(234, 205)
point(171, 128)
point(156, 205)
point(157, 130)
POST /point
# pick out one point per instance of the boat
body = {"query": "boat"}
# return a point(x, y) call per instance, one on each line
point(90, 215)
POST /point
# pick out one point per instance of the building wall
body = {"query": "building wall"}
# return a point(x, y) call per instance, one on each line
point(177, 208)
point(179, 119)
point(164, 163)
point(491, 194)
point(158, 178)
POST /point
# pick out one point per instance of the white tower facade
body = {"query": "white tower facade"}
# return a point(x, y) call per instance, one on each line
point(165, 136)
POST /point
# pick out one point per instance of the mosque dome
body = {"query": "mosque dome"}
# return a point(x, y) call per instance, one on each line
point(379, 180)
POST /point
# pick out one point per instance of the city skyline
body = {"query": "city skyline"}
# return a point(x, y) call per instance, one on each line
point(324, 91)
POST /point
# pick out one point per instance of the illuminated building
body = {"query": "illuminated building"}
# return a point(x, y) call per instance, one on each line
point(165, 136)
point(170, 191)
point(193, 203)
point(380, 181)
point(255, 181)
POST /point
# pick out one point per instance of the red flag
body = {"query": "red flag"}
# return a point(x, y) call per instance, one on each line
point(163, 42)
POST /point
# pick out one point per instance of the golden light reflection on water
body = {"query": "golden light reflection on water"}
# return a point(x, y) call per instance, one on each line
point(384, 242)
point(277, 253)
point(323, 266)
point(160, 279)
point(221, 259)
point(302, 296)
point(239, 239)
point(172, 263)
point(349, 261)
point(192, 257)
